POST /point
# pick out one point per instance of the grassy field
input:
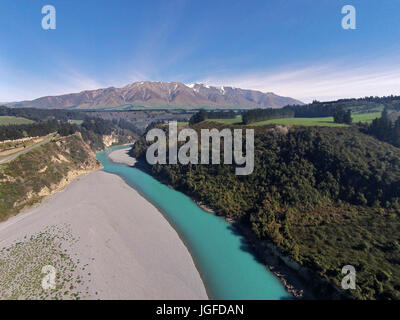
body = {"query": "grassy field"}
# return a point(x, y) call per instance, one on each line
point(237, 120)
point(78, 122)
point(365, 117)
point(7, 120)
point(324, 121)
point(12, 147)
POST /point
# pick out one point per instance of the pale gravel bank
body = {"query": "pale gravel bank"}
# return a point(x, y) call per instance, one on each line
point(121, 156)
point(127, 248)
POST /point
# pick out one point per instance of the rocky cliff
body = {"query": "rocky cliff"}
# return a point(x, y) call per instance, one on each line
point(43, 171)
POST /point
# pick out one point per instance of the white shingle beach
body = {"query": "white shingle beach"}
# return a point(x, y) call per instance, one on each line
point(123, 246)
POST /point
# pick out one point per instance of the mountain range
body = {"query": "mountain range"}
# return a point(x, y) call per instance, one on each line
point(161, 94)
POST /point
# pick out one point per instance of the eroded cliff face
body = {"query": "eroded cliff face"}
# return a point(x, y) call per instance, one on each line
point(43, 171)
point(110, 140)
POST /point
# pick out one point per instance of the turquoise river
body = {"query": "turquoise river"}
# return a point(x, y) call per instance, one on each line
point(228, 268)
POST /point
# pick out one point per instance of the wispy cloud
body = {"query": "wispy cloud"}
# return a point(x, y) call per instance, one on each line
point(77, 81)
point(19, 85)
point(323, 81)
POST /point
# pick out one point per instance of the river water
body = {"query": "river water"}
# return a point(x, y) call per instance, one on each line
point(223, 257)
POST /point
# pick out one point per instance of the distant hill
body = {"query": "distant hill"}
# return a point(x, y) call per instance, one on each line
point(161, 94)
point(356, 105)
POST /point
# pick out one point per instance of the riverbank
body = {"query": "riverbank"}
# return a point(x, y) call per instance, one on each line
point(115, 245)
point(44, 170)
point(121, 156)
point(295, 283)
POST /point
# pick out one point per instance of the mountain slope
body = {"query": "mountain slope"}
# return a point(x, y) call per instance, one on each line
point(161, 94)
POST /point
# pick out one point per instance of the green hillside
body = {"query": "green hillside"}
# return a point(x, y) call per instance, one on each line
point(321, 121)
point(26, 179)
point(10, 120)
point(326, 197)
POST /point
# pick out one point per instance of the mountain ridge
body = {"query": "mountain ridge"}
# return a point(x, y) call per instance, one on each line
point(160, 94)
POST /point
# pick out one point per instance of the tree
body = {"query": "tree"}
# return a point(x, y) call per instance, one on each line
point(342, 116)
point(198, 117)
point(383, 129)
point(266, 114)
point(347, 117)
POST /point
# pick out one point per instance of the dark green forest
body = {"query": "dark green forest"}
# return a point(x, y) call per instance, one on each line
point(49, 121)
point(204, 115)
point(385, 129)
point(339, 109)
point(342, 116)
point(266, 114)
point(327, 197)
point(364, 105)
point(42, 114)
point(12, 132)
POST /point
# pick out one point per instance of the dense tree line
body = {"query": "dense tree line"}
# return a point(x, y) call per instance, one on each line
point(198, 117)
point(251, 116)
point(229, 114)
point(384, 129)
point(391, 101)
point(204, 115)
point(325, 196)
point(362, 105)
point(12, 132)
point(57, 120)
point(42, 114)
point(313, 110)
point(88, 128)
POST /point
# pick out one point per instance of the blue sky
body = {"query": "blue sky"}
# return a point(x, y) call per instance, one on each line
point(294, 48)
